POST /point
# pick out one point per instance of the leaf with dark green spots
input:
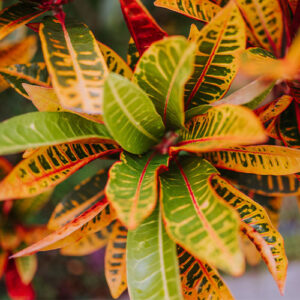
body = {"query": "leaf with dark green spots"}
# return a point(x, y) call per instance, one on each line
point(132, 54)
point(39, 129)
point(130, 116)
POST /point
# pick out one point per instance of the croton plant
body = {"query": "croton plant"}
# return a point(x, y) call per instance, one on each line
point(198, 175)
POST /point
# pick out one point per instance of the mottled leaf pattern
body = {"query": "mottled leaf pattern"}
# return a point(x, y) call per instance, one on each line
point(114, 62)
point(84, 196)
point(75, 63)
point(264, 19)
point(151, 257)
point(262, 160)
point(222, 126)
point(38, 129)
point(203, 10)
point(48, 166)
point(132, 186)
point(130, 115)
point(196, 218)
point(162, 73)
point(132, 54)
point(34, 73)
point(143, 28)
point(115, 261)
point(218, 45)
point(199, 280)
point(258, 227)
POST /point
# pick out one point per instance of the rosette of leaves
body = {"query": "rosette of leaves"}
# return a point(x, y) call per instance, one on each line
point(163, 209)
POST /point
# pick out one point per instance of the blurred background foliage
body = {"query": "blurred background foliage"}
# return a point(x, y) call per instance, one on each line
point(67, 278)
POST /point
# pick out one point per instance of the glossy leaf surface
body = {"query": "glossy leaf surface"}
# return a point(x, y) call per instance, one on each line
point(115, 261)
point(200, 280)
point(262, 160)
point(151, 255)
point(196, 218)
point(162, 73)
point(75, 63)
point(130, 115)
point(258, 227)
point(222, 126)
point(216, 64)
point(48, 166)
point(132, 186)
point(38, 129)
point(143, 28)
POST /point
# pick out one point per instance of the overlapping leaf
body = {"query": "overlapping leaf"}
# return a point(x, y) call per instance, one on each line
point(265, 21)
point(55, 238)
point(258, 227)
point(38, 129)
point(151, 257)
point(266, 184)
point(143, 28)
point(114, 62)
point(17, 15)
point(48, 166)
point(34, 73)
point(132, 186)
point(75, 63)
point(84, 196)
point(262, 160)
point(218, 46)
point(203, 10)
point(196, 218)
point(162, 73)
point(200, 280)
point(115, 261)
point(222, 126)
point(130, 115)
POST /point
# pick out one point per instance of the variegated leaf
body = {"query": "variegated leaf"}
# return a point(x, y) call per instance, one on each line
point(130, 116)
point(34, 73)
point(84, 196)
point(258, 227)
point(115, 261)
point(196, 218)
point(75, 63)
point(132, 186)
point(152, 270)
point(203, 10)
point(216, 64)
point(39, 129)
point(265, 21)
point(199, 280)
point(55, 238)
point(262, 160)
point(132, 54)
point(26, 267)
point(88, 244)
point(162, 73)
point(268, 185)
point(48, 166)
point(143, 28)
point(222, 126)
point(17, 15)
point(114, 62)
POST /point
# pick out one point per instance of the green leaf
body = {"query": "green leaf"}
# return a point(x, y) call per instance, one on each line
point(162, 73)
point(132, 186)
point(83, 197)
point(75, 63)
point(34, 73)
point(196, 111)
point(197, 219)
point(26, 267)
point(130, 115)
point(152, 271)
point(47, 128)
point(132, 54)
